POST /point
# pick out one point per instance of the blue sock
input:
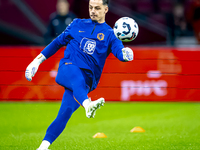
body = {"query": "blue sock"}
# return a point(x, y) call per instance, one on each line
point(76, 89)
point(68, 106)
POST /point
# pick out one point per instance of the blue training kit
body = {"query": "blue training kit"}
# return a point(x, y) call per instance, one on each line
point(88, 45)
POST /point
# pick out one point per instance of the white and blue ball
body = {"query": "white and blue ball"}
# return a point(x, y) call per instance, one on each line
point(126, 29)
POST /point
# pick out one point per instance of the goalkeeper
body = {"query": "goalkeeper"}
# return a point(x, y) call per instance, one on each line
point(89, 42)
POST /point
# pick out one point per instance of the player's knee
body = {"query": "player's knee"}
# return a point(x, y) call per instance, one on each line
point(66, 114)
point(59, 80)
point(68, 111)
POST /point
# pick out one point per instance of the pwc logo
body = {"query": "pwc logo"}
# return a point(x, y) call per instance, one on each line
point(144, 88)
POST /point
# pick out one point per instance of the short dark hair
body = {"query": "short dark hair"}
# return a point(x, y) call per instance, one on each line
point(105, 2)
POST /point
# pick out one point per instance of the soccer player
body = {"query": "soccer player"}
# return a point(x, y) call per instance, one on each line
point(89, 42)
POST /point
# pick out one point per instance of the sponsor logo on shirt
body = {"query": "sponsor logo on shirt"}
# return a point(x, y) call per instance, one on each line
point(88, 45)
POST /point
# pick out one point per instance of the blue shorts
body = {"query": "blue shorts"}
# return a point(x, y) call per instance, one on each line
point(75, 79)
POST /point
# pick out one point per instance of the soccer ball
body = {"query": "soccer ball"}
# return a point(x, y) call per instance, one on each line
point(126, 29)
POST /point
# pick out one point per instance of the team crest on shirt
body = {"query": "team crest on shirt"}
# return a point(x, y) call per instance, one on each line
point(100, 36)
point(88, 45)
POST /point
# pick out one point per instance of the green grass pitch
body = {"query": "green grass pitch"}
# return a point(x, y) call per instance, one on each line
point(169, 126)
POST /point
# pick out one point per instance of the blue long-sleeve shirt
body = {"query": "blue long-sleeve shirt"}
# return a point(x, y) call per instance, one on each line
point(88, 45)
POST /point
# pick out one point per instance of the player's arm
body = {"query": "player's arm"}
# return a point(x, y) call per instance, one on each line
point(63, 39)
point(121, 52)
point(48, 51)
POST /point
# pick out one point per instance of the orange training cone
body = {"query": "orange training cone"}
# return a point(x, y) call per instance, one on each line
point(137, 129)
point(99, 135)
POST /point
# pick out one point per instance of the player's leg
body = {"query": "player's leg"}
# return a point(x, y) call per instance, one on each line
point(68, 106)
point(73, 77)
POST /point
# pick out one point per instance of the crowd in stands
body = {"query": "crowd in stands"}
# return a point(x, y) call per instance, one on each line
point(181, 18)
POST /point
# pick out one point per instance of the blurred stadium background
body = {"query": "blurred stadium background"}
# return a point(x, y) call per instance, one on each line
point(161, 22)
point(166, 68)
point(166, 65)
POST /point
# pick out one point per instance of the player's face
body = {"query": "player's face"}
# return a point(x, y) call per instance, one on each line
point(97, 10)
